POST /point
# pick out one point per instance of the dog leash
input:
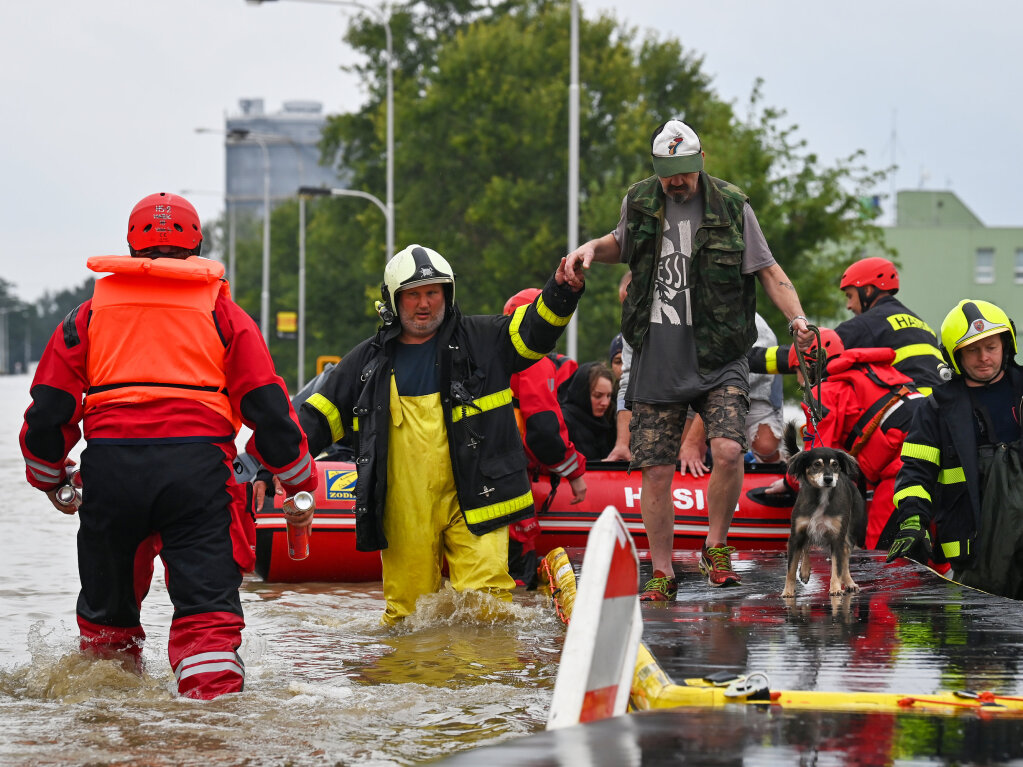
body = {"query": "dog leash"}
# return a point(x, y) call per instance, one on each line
point(814, 408)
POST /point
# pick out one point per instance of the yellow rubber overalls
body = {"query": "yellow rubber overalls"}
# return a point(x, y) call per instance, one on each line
point(422, 519)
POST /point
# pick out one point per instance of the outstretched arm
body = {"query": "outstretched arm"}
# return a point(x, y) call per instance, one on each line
point(782, 292)
point(604, 249)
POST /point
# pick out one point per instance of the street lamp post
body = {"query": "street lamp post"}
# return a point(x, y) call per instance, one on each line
point(300, 380)
point(318, 191)
point(241, 135)
point(573, 164)
point(264, 291)
point(386, 21)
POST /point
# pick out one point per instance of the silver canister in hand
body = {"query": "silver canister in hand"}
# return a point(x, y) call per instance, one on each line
point(298, 536)
point(70, 493)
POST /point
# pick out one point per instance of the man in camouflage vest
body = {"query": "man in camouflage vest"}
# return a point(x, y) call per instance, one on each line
point(693, 245)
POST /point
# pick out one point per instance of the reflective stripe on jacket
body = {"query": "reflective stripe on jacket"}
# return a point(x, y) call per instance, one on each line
point(887, 323)
point(476, 358)
point(940, 476)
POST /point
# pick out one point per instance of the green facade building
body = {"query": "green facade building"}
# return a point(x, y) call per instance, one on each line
point(946, 254)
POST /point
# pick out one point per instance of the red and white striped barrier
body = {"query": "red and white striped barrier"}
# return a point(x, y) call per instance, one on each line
point(599, 655)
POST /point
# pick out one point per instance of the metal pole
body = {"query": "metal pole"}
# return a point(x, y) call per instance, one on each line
point(573, 166)
point(390, 138)
point(301, 293)
point(232, 234)
point(264, 294)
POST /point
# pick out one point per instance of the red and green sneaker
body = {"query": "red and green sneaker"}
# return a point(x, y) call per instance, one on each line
point(660, 588)
point(716, 564)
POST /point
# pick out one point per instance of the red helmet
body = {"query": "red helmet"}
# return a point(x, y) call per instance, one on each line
point(521, 298)
point(831, 342)
point(164, 219)
point(879, 272)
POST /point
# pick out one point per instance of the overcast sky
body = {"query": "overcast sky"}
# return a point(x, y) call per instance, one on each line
point(101, 98)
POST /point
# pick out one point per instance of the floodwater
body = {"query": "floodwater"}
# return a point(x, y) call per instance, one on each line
point(326, 684)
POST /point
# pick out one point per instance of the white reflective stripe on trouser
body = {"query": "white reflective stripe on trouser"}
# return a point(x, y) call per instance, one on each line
point(208, 663)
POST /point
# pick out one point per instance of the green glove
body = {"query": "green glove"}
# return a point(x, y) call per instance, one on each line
point(912, 542)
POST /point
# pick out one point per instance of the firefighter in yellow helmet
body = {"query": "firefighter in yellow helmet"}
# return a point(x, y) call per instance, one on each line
point(428, 403)
point(962, 475)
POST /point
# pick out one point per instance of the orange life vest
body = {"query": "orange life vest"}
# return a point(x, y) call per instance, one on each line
point(152, 334)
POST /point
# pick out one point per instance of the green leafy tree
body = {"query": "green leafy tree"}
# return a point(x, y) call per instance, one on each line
point(481, 162)
point(49, 312)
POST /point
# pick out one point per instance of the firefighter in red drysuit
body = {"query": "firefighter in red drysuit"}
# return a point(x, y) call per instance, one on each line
point(867, 407)
point(548, 447)
point(161, 368)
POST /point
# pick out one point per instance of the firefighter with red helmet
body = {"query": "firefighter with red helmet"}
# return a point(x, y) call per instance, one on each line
point(161, 368)
point(880, 321)
point(866, 409)
point(548, 446)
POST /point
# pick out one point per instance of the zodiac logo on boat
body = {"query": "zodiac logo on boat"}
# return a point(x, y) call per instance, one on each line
point(341, 485)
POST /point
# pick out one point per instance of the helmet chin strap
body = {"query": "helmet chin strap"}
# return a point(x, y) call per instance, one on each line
point(984, 382)
point(865, 301)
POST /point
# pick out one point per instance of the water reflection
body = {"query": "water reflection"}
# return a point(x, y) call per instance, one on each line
point(906, 631)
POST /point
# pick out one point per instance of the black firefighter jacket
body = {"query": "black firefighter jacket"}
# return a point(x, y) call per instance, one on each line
point(940, 475)
point(477, 357)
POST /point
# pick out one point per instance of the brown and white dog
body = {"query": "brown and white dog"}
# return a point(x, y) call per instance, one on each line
point(829, 513)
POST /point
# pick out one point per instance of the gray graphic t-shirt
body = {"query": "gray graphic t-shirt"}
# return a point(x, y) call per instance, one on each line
point(665, 371)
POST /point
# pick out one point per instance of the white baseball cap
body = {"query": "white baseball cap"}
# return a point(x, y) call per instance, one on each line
point(675, 148)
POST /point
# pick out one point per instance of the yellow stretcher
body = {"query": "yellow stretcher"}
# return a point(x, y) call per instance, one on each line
point(652, 689)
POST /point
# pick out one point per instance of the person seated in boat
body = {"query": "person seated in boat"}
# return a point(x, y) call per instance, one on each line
point(765, 422)
point(586, 401)
point(962, 473)
point(427, 400)
point(548, 447)
point(880, 321)
point(867, 406)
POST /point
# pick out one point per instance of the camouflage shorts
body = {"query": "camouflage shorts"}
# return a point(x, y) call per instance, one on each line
point(656, 430)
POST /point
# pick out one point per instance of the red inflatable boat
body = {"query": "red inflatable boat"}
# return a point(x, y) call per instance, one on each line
point(760, 521)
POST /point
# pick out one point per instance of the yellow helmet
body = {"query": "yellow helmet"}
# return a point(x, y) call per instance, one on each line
point(972, 320)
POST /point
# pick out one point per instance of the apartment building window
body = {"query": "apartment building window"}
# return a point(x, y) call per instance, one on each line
point(1017, 275)
point(984, 269)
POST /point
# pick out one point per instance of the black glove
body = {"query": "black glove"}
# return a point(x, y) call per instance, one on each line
point(912, 542)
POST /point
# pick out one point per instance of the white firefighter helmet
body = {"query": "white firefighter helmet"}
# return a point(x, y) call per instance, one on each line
point(416, 265)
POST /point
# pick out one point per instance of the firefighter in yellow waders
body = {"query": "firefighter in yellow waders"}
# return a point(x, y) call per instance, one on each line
point(428, 405)
point(421, 534)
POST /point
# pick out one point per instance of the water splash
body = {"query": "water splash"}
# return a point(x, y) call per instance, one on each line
point(58, 671)
point(448, 607)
